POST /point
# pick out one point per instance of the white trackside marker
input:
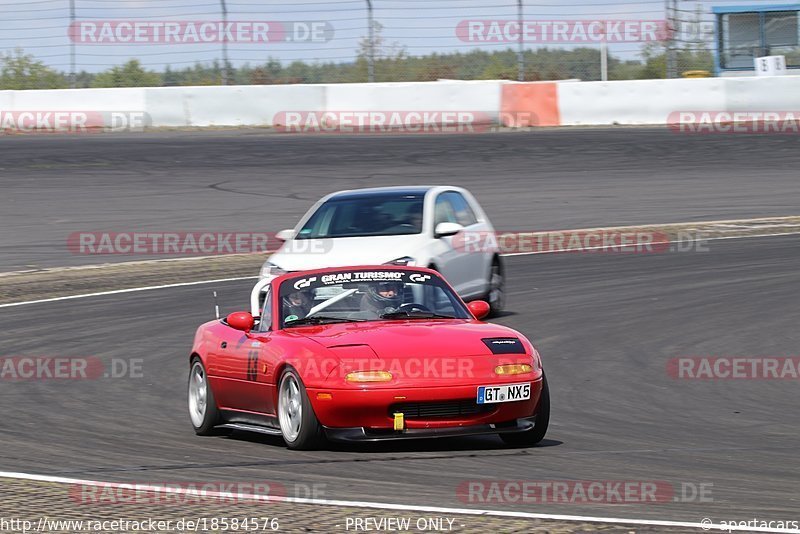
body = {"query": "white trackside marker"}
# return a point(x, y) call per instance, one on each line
point(389, 506)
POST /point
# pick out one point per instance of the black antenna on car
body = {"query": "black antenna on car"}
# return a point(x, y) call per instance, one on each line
point(216, 306)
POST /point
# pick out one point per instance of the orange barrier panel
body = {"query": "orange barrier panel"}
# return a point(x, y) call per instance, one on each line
point(529, 104)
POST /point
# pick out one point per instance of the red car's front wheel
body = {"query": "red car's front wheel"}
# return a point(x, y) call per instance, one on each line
point(537, 433)
point(299, 424)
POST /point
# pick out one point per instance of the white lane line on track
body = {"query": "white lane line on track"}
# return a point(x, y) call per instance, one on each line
point(682, 242)
point(384, 506)
point(200, 282)
point(130, 290)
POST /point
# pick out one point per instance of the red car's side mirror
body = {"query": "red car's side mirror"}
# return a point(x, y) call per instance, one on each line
point(479, 308)
point(241, 321)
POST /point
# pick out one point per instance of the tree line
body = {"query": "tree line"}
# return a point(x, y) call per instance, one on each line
point(19, 70)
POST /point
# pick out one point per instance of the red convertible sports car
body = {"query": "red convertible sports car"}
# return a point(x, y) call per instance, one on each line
point(365, 354)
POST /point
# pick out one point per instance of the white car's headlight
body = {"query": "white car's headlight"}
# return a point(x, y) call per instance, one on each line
point(271, 270)
point(405, 260)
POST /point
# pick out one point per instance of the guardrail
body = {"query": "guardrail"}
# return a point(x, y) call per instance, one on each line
point(641, 102)
point(512, 104)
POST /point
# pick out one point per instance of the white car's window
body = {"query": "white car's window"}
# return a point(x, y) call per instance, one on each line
point(366, 215)
point(463, 213)
point(444, 211)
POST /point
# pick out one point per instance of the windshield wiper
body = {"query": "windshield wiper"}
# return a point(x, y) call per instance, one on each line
point(415, 314)
point(321, 319)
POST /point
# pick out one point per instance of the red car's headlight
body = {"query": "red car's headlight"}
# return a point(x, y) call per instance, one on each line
point(513, 369)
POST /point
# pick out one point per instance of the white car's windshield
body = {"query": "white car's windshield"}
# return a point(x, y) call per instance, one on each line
point(354, 295)
point(378, 214)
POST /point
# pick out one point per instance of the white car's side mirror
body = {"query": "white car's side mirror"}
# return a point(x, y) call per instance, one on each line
point(285, 235)
point(447, 229)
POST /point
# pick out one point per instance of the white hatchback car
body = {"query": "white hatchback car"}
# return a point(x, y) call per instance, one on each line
point(415, 225)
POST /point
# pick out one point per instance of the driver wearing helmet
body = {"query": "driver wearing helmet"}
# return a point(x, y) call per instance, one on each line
point(382, 297)
point(296, 305)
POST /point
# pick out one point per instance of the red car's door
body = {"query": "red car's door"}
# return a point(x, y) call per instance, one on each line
point(229, 369)
point(245, 387)
point(244, 367)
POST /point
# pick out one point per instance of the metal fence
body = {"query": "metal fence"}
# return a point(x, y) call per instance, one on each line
point(104, 43)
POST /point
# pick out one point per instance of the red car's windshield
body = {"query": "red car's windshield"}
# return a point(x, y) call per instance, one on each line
point(364, 295)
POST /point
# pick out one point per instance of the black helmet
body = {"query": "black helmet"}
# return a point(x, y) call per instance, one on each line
point(382, 301)
point(302, 306)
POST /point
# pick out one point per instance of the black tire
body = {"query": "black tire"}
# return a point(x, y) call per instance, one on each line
point(203, 423)
point(311, 435)
point(537, 433)
point(496, 294)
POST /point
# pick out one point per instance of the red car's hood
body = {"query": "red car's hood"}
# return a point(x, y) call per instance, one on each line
point(420, 353)
point(410, 339)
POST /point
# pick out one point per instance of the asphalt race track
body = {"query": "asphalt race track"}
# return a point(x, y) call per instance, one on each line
point(606, 324)
point(252, 181)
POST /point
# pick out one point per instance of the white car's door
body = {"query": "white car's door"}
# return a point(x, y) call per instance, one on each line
point(476, 262)
point(462, 268)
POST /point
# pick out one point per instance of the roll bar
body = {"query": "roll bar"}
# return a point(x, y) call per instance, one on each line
point(255, 296)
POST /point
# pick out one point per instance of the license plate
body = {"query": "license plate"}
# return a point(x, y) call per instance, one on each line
point(509, 393)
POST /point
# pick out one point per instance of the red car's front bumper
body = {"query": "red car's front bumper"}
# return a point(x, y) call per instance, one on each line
point(366, 434)
point(368, 413)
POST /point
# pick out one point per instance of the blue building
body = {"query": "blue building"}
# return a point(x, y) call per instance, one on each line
point(747, 32)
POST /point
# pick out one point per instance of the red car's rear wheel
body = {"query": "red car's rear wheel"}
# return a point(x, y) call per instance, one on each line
point(202, 405)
